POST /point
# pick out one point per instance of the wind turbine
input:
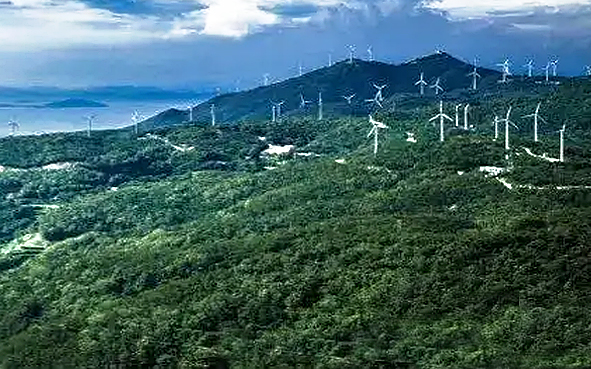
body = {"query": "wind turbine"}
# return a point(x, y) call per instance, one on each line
point(349, 98)
point(301, 70)
point(135, 118)
point(457, 114)
point(547, 69)
point(474, 74)
point(437, 87)
point(507, 121)
point(588, 70)
point(421, 83)
point(496, 124)
point(506, 72)
point(278, 108)
point(329, 59)
point(369, 53)
point(562, 143)
point(303, 102)
point(530, 67)
point(212, 111)
point(441, 117)
point(374, 130)
point(537, 117)
point(90, 119)
point(274, 113)
point(320, 115)
point(266, 79)
point(379, 95)
point(351, 53)
point(376, 101)
point(554, 64)
point(466, 116)
point(190, 109)
point(14, 126)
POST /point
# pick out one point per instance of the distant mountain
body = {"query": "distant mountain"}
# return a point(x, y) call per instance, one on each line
point(334, 82)
point(33, 95)
point(75, 103)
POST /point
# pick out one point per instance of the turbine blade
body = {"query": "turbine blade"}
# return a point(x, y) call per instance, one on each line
point(435, 117)
point(372, 131)
point(447, 117)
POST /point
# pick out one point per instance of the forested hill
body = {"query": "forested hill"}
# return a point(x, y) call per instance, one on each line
point(341, 79)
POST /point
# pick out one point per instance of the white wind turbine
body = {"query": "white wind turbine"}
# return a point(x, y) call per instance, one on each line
point(369, 53)
point(441, 117)
point(301, 70)
point(349, 98)
point(351, 53)
point(537, 118)
point(437, 86)
point(303, 102)
point(466, 116)
point(135, 119)
point(190, 109)
point(562, 142)
point(376, 101)
point(505, 65)
point(474, 74)
point(421, 83)
point(320, 112)
point(273, 113)
point(374, 130)
point(212, 111)
point(530, 67)
point(90, 119)
point(507, 121)
point(278, 108)
point(457, 114)
point(14, 126)
point(588, 70)
point(554, 64)
point(266, 79)
point(547, 70)
point(379, 95)
point(329, 59)
point(496, 124)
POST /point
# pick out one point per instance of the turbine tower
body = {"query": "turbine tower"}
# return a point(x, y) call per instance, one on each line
point(320, 115)
point(274, 113)
point(190, 109)
point(441, 117)
point(329, 59)
point(554, 64)
point(496, 124)
point(547, 69)
point(530, 67)
point(466, 116)
point(562, 143)
point(374, 130)
point(376, 101)
point(505, 65)
point(457, 114)
point(437, 86)
point(507, 121)
point(90, 120)
point(14, 126)
point(369, 53)
point(474, 74)
point(301, 70)
point(135, 119)
point(212, 111)
point(266, 79)
point(421, 83)
point(537, 118)
point(351, 53)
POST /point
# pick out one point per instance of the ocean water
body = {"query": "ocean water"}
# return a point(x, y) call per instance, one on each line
point(117, 115)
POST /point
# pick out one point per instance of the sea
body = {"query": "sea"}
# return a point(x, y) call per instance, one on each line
point(118, 114)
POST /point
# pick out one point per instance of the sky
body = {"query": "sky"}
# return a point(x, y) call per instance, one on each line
point(233, 43)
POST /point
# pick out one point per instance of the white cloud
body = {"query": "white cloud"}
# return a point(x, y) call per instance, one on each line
point(470, 9)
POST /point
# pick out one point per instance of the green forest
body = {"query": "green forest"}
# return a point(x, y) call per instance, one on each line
point(191, 247)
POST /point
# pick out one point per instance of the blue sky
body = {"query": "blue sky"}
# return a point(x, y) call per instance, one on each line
point(186, 43)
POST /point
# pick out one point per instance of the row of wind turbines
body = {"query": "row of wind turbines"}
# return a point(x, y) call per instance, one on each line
point(442, 117)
